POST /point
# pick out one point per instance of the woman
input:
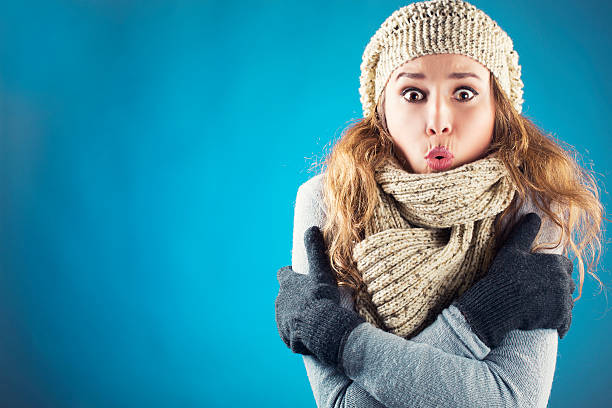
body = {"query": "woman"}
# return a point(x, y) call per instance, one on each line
point(442, 301)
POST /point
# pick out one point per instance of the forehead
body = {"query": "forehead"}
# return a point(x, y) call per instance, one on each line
point(440, 65)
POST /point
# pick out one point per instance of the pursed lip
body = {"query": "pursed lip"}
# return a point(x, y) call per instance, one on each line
point(440, 152)
point(439, 158)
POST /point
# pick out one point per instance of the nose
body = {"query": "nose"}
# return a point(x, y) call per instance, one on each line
point(439, 116)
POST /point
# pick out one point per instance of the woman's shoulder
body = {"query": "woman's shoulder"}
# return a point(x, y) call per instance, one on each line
point(549, 231)
point(313, 186)
point(310, 194)
point(308, 213)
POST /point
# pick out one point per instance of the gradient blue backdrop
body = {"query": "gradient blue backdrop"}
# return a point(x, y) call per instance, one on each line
point(150, 153)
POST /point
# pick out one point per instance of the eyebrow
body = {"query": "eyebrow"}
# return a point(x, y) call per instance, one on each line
point(454, 75)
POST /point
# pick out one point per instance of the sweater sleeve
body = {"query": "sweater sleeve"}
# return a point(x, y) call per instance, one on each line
point(446, 365)
point(331, 388)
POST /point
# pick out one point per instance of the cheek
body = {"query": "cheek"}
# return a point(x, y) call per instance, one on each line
point(402, 123)
point(478, 128)
point(482, 123)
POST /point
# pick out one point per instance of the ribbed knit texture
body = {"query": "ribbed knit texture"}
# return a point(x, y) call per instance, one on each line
point(438, 27)
point(430, 239)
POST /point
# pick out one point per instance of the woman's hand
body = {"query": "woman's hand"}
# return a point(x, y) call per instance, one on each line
point(309, 317)
point(522, 290)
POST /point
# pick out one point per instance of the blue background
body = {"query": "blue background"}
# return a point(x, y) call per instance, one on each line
point(150, 153)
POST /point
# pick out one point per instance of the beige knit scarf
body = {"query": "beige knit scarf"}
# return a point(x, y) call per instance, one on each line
point(430, 239)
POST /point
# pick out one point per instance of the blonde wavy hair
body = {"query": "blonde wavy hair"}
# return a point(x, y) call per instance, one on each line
point(350, 191)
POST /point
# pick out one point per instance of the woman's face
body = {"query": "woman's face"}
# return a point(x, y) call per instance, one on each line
point(441, 100)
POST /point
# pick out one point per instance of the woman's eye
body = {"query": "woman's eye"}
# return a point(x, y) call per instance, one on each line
point(465, 94)
point(412, 95)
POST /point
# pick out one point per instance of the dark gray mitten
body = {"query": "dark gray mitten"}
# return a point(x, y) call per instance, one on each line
point(521, 290)
point(309, 317)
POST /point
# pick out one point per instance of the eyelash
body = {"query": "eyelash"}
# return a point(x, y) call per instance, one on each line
point(405, 91)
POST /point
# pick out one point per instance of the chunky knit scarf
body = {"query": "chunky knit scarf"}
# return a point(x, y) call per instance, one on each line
point(430, 239)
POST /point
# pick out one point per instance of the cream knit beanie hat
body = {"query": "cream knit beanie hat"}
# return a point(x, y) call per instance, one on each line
point(438, 27)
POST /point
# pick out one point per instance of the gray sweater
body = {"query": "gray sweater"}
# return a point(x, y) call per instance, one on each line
point(446, 365)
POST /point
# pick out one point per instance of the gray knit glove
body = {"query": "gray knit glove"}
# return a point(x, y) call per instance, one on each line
point(522, 290)
point(309, 317)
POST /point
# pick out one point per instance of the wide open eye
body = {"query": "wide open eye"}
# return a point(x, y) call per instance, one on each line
point(412, 95)
point(465, 94)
